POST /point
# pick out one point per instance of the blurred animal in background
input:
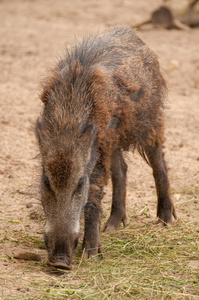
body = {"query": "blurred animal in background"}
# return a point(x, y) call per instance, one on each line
point(174, 14)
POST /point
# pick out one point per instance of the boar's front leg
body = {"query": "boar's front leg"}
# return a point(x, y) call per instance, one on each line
point(118, 210)
point(91, 242)
point(165, 207)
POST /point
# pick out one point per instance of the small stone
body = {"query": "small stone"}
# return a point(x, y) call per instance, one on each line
point(23, 290)
point(29, 205)
point(27, 256)
point(173, 64)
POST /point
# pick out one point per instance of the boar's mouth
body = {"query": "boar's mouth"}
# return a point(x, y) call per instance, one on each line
point(60, 256)
point(60, 264)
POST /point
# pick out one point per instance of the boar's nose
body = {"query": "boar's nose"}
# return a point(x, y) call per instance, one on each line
point(60, 262)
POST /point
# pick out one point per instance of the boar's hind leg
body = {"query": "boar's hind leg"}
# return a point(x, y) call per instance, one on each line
point(91, 242)
point(118, 211)
point(165, 207)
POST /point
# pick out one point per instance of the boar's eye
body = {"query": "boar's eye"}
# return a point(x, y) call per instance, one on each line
point(76, 243)
point(46, 181)
point(80, 184)
point(46, 240)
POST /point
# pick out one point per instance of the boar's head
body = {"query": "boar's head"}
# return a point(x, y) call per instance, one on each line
point(67, 163)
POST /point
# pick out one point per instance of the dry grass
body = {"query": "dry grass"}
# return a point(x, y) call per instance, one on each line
point(140, 262)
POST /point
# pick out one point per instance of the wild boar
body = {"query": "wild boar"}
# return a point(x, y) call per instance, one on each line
point(105, 96)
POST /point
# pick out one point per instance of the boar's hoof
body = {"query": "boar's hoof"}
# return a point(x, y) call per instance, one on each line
point(165, 216)
point(60, 264)
point(88, 253)
point(113, 223)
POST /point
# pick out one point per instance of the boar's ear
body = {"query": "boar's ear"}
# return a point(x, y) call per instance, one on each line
point(48, 85)
point(44, 96)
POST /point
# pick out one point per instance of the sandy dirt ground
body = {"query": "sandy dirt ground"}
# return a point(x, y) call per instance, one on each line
point(33, 33)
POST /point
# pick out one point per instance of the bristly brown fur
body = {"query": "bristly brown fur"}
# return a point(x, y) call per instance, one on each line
point(105, 96)
point(86, 89)
point(60, 168)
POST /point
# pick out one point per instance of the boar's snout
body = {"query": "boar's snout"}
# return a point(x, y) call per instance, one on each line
point(60, 261)
point(60, 250)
